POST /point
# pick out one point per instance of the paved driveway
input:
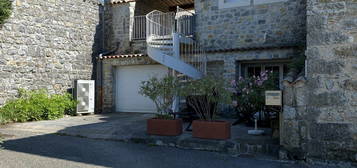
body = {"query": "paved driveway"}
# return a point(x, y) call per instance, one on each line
point(107, 126)
point(131, 127)
point(26, 150)
point(34, 144)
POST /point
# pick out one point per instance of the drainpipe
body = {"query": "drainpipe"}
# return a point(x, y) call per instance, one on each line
point(103, 53)
point(100, 58)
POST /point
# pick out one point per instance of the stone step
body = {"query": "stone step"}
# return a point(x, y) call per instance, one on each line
point(232, 147)
point(161, 42)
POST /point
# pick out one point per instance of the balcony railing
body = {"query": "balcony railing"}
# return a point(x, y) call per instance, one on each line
point(160, 24)
point(139, 28)
point(185, 22)
point(182, 22)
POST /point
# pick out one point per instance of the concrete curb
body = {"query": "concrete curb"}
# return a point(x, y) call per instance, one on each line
point(231, 147)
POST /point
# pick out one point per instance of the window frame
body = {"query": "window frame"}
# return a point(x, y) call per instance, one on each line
point(243, 69)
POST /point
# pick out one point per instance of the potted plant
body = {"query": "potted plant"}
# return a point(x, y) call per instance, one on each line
point(204, 96)
point(162, 91)
point(249, 95)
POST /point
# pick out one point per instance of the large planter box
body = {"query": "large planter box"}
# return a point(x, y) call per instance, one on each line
point(211, 129)
point(164, 127)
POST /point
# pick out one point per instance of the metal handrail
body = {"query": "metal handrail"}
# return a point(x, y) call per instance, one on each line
point(139, 28)
point(159, 23)
point(164, 29)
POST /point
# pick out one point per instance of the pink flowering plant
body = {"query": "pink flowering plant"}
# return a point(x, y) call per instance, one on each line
point(249, 94)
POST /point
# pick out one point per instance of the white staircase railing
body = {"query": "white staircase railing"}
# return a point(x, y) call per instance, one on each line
point(185, 22)
point(159, 24)
point(172, 47)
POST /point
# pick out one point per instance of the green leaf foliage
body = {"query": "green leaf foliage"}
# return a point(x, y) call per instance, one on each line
point(204, 95)
point(298, 63)
point(5, 10)
point(161, 91)
point(34, 105)
point(249, 93)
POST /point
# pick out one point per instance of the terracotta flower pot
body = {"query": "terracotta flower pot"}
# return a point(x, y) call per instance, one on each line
point(211, 129)
point(164, 127)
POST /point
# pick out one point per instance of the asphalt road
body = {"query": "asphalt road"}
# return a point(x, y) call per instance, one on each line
point(52, 151)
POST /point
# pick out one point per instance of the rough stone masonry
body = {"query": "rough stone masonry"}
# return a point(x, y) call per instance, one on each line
point(320, 115)
point(47, 44)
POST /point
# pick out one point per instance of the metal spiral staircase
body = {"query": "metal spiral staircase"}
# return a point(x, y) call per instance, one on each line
point(169, 42)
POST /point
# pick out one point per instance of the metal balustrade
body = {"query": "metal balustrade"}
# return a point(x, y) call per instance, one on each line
point(185, 22)
point(181, 22)
point(159, 24)
point(139, 28)
point(169, 41)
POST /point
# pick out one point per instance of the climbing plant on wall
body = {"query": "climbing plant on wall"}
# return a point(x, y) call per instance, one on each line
point(5, 10)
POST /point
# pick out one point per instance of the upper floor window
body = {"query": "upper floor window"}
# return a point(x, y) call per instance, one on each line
point(237, 3)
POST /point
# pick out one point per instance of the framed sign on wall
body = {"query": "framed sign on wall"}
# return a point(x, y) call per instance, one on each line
point(273, 98)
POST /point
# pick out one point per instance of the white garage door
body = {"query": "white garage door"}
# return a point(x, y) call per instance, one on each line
point(128, 80)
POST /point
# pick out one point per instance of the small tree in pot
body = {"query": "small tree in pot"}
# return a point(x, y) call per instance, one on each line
point(204, 95)
point(249, 94)
point(162, 91)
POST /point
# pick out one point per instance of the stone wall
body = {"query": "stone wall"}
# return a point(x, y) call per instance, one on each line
point(119, 22)
point(119, 19)
point(293, 132)
point(118, 27)
point(327, 128)
point(47, 44)
point(271, 24)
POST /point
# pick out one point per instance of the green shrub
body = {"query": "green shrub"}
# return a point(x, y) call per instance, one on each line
point(37, 105)
point(297, 64)
point(249, 94)
point(204, 95)
point(5, 10)
point(161, 91)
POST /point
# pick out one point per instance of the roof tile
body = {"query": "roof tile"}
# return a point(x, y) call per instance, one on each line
point(120, 1)
point(122, 56)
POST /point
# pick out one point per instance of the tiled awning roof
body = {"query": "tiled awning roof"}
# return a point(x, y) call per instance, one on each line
point(122, 56)
point(120, 1)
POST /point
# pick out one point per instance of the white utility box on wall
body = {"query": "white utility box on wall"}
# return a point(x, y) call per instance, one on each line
point(84, 93)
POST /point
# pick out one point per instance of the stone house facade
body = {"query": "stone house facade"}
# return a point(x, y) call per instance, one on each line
point(248, 36)
point(43, 45)
point(48, 44)
point(320, 112)
point(236, 39)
